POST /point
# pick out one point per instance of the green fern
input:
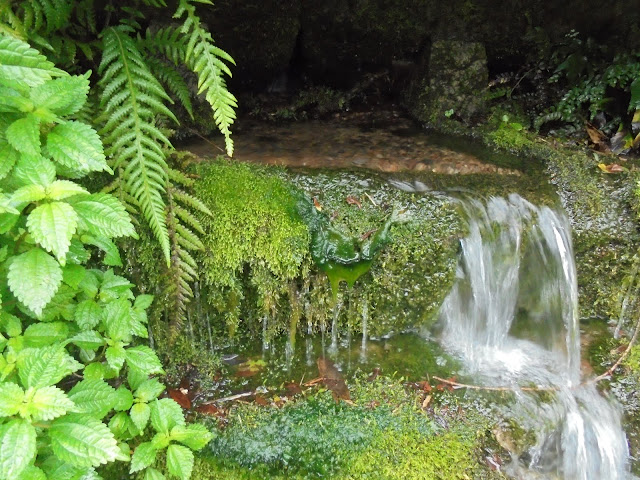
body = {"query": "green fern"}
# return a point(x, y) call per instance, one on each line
point(173, 81)
point(206, 60)
point(133, 98)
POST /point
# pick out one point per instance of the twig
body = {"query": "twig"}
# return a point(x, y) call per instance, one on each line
point(372, 201)
point(232, 397)
point(208, 141)
point(622, 358)
point(494, 389)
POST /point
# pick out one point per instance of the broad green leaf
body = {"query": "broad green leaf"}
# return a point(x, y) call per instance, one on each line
point(10, 324)
point(61, 305)
point(120, 424)
point(61, 189)
point(76, 145)
point(56, 469)
point(125, 452)
point(77, 253)
point(11, 396)
point(34, 170)
point(88, 340)
point(88, 314)
point(82, 440)
point(124, 399)
point(115, 356)
point(94, 397)
point(42, 334)
point(27, 194)
point(144, 359)
point(153, 474)
point(135, 378)
point(46, 403)
point(34, 278)
point(115, 287)
point(22, 66)
point(166, 414)
point(103, 215)
point(143, 301)
point(194, 436)
point(117, 319)
point(32, 473)
point(112, 254)
point(63, 96)
point(73, 274)
point(140, 414)
point(52, 225)
point(24, 135)
point(149, 390)
point(41, 367)
point(180, 461)
point(17, 448)
point(137, 327)
point(143, 456)
point(634, 103)
point(8, 158)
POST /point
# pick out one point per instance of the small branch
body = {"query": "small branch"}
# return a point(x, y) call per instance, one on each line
point(494, 389)
point(622, 358)
point(372, 201)
point(233, 397)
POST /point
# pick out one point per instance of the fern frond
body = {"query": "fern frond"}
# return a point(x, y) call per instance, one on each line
point(45, 16)
point(191, 201)
point(174, 82)
point(189, 219)
point(133, 98)
point(168, 41)
point(176, 176)
point(206, 61)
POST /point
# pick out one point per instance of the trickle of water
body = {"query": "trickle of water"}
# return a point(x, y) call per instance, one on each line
point(365, 321)
point(333, 348)
point(265, 337)
point(512, 316)
point(210, 335)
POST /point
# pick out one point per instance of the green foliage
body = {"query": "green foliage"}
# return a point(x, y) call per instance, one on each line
point(68, 332)
point(132, 113)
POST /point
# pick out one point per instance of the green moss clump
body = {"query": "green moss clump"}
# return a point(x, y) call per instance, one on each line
point(315, 438)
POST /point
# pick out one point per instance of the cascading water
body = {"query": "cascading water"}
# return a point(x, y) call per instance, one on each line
point(512, 317)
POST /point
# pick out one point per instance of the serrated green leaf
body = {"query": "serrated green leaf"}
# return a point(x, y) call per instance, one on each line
point(34, 278)
point(27, 194)
point(94, 371)
point(117, 319)
point(88, 339)
point(61, 305)
point(88, 314)
point(32, 473)
point(112, 254)
point(94, 397)
point(180, 461)
point(149, 390)
point(43, 334)
point(140, 414)
point(103, 215)
point(143, 456)
point(61, 189)
point(10, 324)
point(77, 253)
point(17, 447)
point(63, 96)
point(73, 274)
point(22, 66)
point(52, 225)
point(144, 359)
point(166, 414)
point(8, 158)
point(124, 399)
point(115, 356)
point(24, 135)
point(41, 367)
point(56, 469)
point(135, 378)
point(77, 146)
point(11, 396)
point(82, 440)
point(143, 301)
point(194, 436)
point(153, 474)
point(34, 170)
point(46, 403)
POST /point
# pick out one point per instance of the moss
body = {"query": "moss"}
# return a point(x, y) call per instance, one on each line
point(316, 438)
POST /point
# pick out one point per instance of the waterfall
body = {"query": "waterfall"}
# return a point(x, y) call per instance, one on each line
point(512, 317)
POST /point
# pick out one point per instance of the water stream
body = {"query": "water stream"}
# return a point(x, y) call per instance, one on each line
point(512, 319)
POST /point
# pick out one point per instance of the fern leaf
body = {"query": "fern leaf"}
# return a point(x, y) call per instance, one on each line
point(204, 59)
point(131, 132)
point(191, 201)
point(176, 176)
point(174, 82)
point(187, 217)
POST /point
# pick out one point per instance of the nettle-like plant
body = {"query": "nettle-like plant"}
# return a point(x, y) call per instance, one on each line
point(140, 74)
point(75, 382)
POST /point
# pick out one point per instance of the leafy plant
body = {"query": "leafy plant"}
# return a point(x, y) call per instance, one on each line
point(69, 332)
point(138, 78)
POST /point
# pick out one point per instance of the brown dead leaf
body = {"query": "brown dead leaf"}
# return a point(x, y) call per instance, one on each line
point(333, 380)
point(316, 204)
point(366, 235)
point(374, 374)
point(210, 409)
point(260, 400)
point(351, 200)
point(426, 402)
point(180, 397)
point(611, 168)
point(293, 388)
point(595, 135)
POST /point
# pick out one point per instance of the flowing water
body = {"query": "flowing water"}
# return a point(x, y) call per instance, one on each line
point(512, 318)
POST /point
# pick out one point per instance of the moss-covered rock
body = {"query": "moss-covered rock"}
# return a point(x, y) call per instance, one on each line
point(451, 80)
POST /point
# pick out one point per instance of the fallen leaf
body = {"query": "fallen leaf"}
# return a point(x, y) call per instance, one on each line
point(210, 409)
point(351, 200)
point(366, 235)
point(426, 401)
point(374, 374)
point(293, 388)
point(333, 380)
point(260, 400)
point(611, 168)
point(316, 204)
point(595, 135)
point(180, 396)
